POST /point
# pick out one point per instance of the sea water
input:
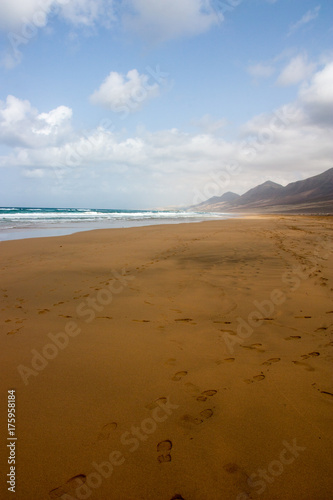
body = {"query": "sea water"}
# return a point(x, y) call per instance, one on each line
point(21, 222)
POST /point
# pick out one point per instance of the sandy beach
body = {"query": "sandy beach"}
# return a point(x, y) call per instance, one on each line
point(189, 361)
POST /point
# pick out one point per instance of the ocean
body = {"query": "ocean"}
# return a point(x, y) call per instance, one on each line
point(19, 222)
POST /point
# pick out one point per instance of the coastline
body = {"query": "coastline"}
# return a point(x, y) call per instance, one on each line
point(22, 223)
point(213, 339)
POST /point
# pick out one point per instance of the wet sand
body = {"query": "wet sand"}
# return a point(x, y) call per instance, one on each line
point(185, 361)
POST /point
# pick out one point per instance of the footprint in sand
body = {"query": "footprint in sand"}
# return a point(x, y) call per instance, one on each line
point(69, 487)
point(293, 337)
point(12, 332)
point(163, 449)
point(170, 361)
point(43, 311)
point(310, 355)
point(206, 394)
point(227, 332)
point(156, 403)
point(272, 360)
point(253, 346)
point(326, 393)
point(203, 415)
point(178, 376)
point(192, 389)
point(229, 360)
point(177, 497)
point(106, 431)
point(305, 365)
point(257, 378)
point(184, 319)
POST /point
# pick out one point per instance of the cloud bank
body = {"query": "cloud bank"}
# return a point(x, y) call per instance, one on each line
point(168, 165)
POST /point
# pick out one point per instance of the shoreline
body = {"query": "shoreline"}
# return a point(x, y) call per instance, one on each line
point(173, 359)
point(63, 229)
point(59, 230)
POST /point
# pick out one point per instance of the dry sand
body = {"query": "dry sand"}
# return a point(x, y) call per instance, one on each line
point(169, 382)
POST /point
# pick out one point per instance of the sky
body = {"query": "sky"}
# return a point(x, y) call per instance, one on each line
point(141, 104)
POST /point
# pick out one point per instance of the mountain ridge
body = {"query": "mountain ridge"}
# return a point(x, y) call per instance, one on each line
point(311, 195)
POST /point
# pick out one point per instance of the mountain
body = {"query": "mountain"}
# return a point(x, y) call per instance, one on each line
point(228, 197)
point(312, 195)
point(262, 193)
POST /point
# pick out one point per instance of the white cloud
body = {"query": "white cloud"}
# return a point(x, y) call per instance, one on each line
point(261, 70)
point(22, 126)
point(34, 173)
point(169, 19)
point(124, 94)
point(152, 20)
point(297, 70)
point(52, 122)
point(23, 18)
point(169, 166)
point(317, 97)
point(21, 13)
point(157, 20)
point(309, 16)
point(87, 12)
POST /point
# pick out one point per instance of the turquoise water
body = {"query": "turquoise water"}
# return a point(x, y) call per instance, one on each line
point(22, 222)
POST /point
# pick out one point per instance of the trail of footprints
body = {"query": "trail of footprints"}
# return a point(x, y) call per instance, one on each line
point(261, 376)
point(164, 447)
point(189, 420)
point(326, 393)
point(307, 367)
point(75, 482)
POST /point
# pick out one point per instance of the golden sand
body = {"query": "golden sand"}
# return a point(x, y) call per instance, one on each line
point(185, 361)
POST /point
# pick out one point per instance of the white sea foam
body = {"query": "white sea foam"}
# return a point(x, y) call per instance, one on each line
point(14, 222)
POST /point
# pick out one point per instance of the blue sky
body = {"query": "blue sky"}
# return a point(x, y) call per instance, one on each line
point(158, 103)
